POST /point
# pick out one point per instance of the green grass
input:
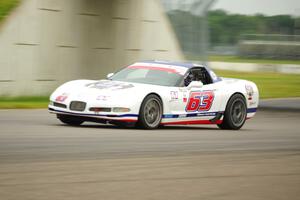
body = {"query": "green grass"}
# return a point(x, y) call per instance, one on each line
point(236, 59)
point(6, 6)
point(270, 85)
point(23, 102)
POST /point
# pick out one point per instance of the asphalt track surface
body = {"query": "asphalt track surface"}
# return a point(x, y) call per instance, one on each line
point(40, 158)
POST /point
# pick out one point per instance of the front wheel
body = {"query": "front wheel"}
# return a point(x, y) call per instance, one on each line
point(235, 113)
point(150, 112)
point(70, 120)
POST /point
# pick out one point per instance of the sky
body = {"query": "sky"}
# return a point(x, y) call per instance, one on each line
point(249, 7)
point(266, 7)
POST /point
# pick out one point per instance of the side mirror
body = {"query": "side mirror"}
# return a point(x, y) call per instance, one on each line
point(108, 76)
point(195, 84)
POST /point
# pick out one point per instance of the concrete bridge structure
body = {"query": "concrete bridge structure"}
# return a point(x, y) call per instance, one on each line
point(44, 43)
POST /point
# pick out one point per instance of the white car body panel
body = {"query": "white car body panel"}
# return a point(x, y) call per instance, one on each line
point(111, 94)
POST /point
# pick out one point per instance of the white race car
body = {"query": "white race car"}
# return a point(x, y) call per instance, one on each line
point(153, 93)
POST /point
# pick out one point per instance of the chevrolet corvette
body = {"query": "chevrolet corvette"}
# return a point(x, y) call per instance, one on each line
point(150, 94)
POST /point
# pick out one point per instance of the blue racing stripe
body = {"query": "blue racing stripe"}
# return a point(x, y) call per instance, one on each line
point(99, 115)
point(166, 116)
point(203, 114)
point(251, 110)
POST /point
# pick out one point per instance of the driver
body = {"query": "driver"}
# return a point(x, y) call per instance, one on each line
point(188, 79)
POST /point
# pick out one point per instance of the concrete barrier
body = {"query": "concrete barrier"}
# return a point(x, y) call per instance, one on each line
point(47, 42)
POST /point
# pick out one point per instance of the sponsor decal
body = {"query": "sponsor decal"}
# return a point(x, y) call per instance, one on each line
point(174, 95)
point(184, 99)
point(250, 91)
point(105, 84)
point(102, 98)
point(200, 101)
point(62, 98)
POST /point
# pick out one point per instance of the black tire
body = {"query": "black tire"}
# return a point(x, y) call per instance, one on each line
point(150, 114)
point(70, 120)
point(235, 113)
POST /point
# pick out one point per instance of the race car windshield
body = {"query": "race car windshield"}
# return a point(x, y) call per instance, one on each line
point(150, 75)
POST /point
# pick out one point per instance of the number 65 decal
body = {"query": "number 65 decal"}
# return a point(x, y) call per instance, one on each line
point(200, 101)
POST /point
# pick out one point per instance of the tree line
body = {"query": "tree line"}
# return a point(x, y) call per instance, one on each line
point(226, 29)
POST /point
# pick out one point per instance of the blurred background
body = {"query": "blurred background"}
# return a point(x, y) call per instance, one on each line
point(44, 43)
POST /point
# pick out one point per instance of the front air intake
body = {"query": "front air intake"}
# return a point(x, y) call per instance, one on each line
point(60, 105)
point(77, 105)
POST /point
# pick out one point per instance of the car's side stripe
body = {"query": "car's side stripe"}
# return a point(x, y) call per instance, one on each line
point(95, 115)
point(203, 114)
point(251, 110)
point(165, 116)
point(192, 122)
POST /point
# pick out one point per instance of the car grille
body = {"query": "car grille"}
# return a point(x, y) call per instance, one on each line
point(100, 109)
point(77, 106)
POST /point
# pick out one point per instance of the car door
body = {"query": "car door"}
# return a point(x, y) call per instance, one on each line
point(198, 100)
point(203, 99)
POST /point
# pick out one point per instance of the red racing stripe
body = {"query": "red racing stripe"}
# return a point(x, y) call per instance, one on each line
point(155, 68)
point(193, 122)
point(126, 120)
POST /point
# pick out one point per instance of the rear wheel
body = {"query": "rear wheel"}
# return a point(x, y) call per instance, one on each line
point(235, 113)
point(150, 112)
point(70, 120)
